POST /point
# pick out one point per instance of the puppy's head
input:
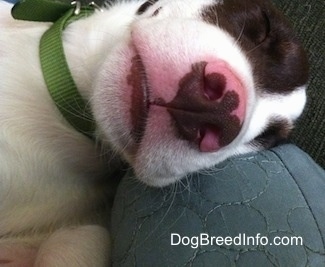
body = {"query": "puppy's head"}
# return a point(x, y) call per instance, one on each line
point(194, 82)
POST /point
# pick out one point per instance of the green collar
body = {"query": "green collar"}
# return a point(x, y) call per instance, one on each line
point(57, 75)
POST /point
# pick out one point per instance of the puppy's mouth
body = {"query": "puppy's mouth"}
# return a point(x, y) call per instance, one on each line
point(139, 108)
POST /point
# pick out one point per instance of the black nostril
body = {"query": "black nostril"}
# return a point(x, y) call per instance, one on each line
point(214, 86)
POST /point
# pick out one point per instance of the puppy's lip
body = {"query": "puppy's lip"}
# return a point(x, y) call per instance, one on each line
point(139, 108)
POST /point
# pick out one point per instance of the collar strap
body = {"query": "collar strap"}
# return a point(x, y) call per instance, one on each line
point(57, 75)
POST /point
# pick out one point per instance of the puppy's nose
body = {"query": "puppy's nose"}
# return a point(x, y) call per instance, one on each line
point(209, 107)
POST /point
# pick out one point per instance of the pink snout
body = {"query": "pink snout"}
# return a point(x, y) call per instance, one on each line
point(209, 108)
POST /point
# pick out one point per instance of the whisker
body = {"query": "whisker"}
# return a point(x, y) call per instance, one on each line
point(241, 33)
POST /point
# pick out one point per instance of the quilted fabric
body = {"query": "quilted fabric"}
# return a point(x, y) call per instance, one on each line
point(272, 193)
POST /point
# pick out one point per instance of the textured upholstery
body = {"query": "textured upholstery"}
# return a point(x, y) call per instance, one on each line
point(279, 192)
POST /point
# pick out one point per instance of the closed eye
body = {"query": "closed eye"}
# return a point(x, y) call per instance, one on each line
point(258, 27)
point(143, 8)
point(267, 28)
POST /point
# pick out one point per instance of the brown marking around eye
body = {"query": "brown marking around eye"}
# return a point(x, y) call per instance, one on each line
point(279, 62)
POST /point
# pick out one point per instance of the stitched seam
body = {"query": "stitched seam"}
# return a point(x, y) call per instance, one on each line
point(302, 193)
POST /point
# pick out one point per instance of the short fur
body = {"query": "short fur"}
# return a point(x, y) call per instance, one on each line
point(54, 181)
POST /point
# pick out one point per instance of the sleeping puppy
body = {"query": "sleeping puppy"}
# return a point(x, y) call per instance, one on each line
point(174, 86)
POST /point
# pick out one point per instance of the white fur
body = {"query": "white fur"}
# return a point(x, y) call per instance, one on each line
point(52, 178)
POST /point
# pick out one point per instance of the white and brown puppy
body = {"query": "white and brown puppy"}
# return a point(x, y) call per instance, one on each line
point(175, 86)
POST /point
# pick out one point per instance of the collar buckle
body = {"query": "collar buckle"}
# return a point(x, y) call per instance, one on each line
point(77, 7)
point(96, 6)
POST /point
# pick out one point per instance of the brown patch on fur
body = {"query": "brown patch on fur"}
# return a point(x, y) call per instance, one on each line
point(278, 59)
point(275, 132)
